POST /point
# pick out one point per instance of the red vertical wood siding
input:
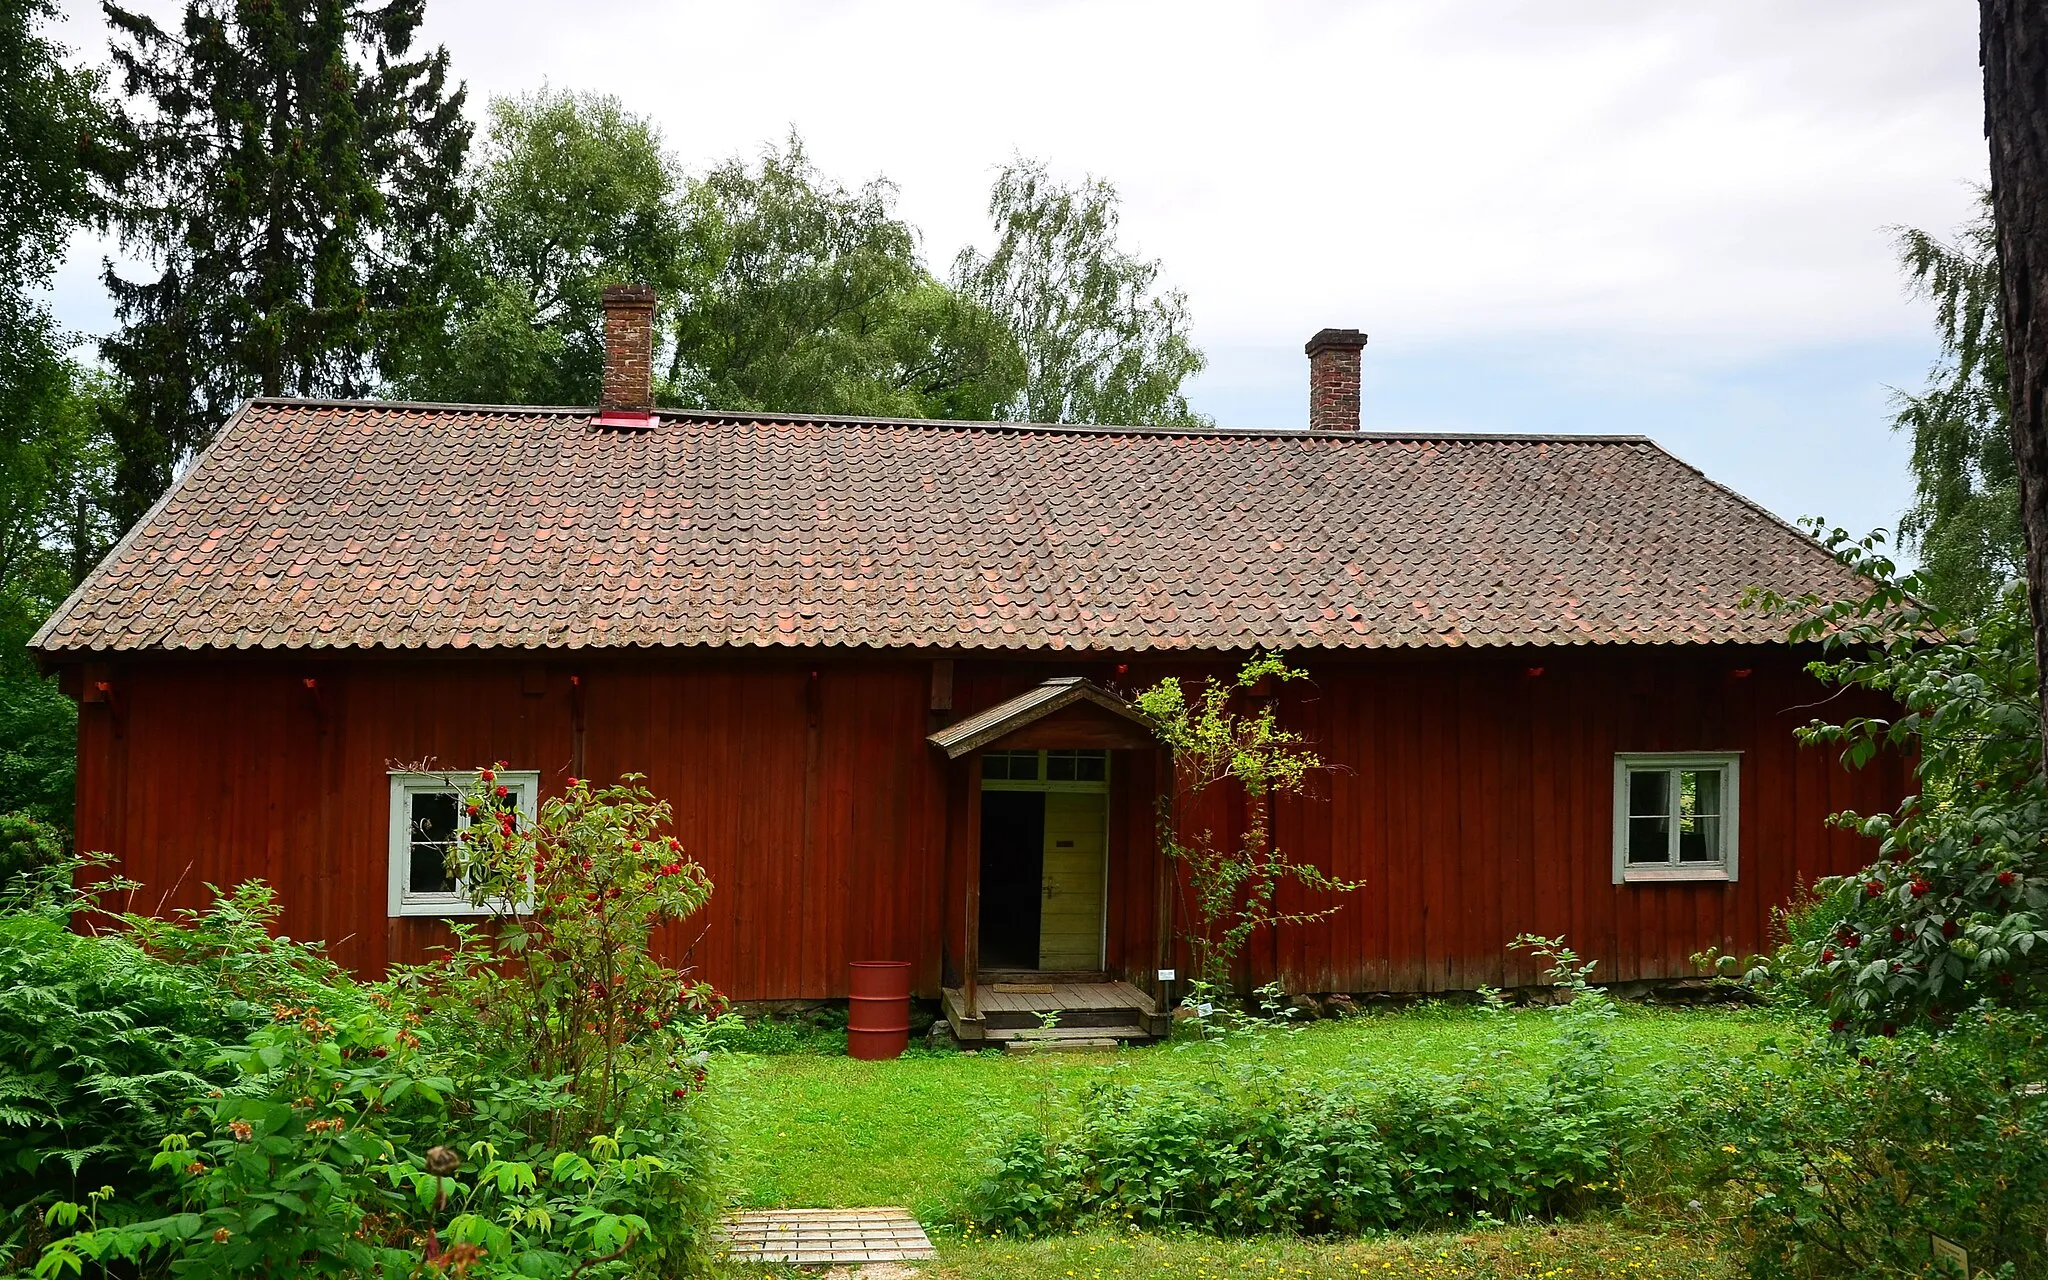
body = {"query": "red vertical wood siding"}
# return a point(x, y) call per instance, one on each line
point(1472, 795)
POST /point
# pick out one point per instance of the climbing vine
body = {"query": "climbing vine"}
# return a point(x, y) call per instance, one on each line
point(1222, 733)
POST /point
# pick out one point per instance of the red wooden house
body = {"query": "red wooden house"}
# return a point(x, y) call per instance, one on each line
point(874, 665)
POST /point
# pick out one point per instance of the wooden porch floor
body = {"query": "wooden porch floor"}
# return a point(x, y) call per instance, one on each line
point(1086, 1011)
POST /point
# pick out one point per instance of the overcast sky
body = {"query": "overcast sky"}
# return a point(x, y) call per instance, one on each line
point(1558, 215)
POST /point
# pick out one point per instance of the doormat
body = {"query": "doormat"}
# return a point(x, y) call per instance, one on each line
point(1021, 988)
point(808, 1236)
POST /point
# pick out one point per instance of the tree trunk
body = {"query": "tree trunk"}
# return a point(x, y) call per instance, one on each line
point(2014, 50)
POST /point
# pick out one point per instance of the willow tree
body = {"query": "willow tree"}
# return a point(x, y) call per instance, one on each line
point(1965, 519)
point(1102, 340)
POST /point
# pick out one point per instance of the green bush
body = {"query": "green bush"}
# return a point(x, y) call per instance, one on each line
point(1249, 1149)
point(28, 845)
point(219, 1100)
point(339, 1150)
point(820, 1032)
point(1822, 1162)
point(1953, 914)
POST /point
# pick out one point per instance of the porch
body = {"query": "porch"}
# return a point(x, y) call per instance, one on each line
point(1052, 874)
point(1032, 1009)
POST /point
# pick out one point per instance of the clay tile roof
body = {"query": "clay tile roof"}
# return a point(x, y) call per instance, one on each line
point(354, 525)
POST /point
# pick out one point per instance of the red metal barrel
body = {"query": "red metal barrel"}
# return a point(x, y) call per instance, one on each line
point(878, 1009)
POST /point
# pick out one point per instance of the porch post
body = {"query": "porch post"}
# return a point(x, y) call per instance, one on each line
point(971, 961)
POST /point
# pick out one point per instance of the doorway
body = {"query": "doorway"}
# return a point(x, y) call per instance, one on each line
point(1044, 859)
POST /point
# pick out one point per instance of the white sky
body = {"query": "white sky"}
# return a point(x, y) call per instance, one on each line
point(1668, 218)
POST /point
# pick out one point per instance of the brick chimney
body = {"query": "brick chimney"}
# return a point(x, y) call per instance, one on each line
point(628, 399)
point(1333, 379)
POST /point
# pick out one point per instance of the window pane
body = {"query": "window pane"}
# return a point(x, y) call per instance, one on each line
point(431, 830)
point(1059, 766)
point(1699, 839)
point(1091, 766)
point(1010, 766)
point(1649, 840)
point(1702, 792)
point(1648, 796)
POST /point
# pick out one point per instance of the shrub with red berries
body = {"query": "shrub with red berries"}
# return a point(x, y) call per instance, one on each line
point(1951, 912)
point(570, 974)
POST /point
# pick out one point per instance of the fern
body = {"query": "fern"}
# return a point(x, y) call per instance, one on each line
point(100, 1045)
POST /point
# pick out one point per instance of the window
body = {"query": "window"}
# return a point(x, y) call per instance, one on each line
point(426, 814)
point(1675, 817)
point(1059, 770)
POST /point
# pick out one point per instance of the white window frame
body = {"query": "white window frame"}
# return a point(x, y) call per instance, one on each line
point(1041, 783)
point(1729, 764)
point(525, 784)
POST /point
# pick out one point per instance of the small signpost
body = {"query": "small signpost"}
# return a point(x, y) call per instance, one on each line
point(1950, 1257)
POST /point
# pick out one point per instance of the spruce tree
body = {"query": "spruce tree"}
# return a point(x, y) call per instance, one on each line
point(296, 174)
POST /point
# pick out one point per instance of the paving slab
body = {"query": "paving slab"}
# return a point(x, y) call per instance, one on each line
point(820, 1237)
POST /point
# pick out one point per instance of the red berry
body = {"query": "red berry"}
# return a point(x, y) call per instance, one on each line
point(1839, 1024)
point(1920, 887)
point(682, 1093)
point(1874, 888)
point(1827, 955)
point(1948, 928)
point(1898, 934)
point(2007, 878)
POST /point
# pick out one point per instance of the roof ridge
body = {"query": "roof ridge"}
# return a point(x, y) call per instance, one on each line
point(967, 424)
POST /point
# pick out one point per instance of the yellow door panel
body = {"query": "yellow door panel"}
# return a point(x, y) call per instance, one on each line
point(1070, 907)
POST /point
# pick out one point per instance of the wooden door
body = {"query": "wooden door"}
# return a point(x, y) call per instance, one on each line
point(1070, 908)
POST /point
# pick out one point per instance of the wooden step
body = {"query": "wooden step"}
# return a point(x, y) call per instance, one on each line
point(1107, 1037)
point(1026, 1020)
point(1092, 1010)
point(1092, 1045)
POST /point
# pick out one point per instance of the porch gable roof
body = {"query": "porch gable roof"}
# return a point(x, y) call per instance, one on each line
point(1005, 718)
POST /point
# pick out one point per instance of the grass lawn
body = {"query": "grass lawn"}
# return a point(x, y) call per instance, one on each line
point(821, 1131)
point(1577, 1250)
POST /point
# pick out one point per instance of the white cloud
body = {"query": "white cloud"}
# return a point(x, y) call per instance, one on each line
point(1721, 172)
point(1672, 191)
